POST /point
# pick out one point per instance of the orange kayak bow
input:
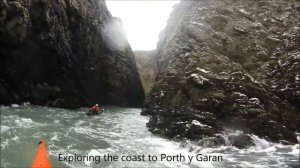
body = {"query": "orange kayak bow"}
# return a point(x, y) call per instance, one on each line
point(41, 160)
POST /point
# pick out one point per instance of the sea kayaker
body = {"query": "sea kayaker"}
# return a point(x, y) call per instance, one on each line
point(94, 110)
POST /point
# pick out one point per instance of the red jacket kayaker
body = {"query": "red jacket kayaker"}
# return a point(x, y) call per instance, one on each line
point(95, 108)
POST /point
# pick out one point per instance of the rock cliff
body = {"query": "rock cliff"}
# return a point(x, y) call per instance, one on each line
point(228, 65)
point(146, 64)
point(65, 53)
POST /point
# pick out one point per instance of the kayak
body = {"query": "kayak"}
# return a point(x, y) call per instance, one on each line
point(41, 159)
point(90, 112)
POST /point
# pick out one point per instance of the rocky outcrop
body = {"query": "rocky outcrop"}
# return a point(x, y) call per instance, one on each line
point(146, 64)
point(226, 66)
point(65, 53)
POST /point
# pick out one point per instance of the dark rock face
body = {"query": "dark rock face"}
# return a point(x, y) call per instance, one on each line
point(230, 65)
point(241, 141)
point(65, 53)
point(147, 68)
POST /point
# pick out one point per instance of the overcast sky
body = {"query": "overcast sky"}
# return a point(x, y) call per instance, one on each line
point(143, 20)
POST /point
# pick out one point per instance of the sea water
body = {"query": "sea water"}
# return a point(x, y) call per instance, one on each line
point(118, 132)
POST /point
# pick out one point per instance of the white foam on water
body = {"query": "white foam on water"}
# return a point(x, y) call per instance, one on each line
point(55, 137)
point(15, 138)
point(295, 150)
point(263, 154)
point(24, 123)
point(259, 141)
point(26, 104)
point(4, 128)
point(7, 142)
point(94, 153)
point(247, 164)
point(4, 143)
point(79, 123)
point(15, 105)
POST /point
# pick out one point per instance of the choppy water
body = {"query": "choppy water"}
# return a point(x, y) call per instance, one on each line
point(120, 132)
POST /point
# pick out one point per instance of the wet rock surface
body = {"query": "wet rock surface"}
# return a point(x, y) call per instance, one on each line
point(65, 53)
point(228, 65)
